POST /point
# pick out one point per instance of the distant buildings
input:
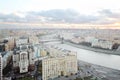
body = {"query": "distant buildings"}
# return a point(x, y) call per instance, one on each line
point(21, 40)
point(95, 42)
point(102, 44)
point(77, 40)
point(33, 39)
point(89, 39)
point(67, 36)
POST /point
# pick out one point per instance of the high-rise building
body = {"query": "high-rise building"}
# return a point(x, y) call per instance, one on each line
point(0, 67)
point(61, 65)
point(23, 58)
point(24, 62)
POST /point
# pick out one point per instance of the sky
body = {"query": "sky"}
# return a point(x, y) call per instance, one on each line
point(69, 11)
point(82, 6)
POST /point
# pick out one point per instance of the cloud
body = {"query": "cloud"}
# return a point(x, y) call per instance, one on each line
point(105, 16)
point(58, 15)
point(10, 18)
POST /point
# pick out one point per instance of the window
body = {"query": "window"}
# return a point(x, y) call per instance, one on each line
point(23, 56)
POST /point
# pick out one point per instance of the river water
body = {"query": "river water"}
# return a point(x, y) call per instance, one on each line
point(106, 60)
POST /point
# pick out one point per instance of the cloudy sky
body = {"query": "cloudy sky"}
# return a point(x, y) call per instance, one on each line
point(65, 11)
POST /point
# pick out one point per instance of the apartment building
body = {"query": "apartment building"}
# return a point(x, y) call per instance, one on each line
point(61, 65)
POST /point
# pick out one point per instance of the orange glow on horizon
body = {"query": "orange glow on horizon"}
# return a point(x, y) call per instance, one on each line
point(68, 25)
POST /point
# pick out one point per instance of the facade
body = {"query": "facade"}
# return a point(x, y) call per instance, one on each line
point(6, 58)
point(55, 66)
point(23, 59)
point(15, 59)
point(7, 44)
point(23, 62)
point(102, 44)
point(33, 39)
point(0, 67)
point(77, 40)
point(10, 43)
point(89, 39)
point(4, 47)
point(67, 36)
point(43, 53)
point(21, 40)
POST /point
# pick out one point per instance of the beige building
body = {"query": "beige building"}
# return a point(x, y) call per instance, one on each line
point(55, 66)
point(43, 53)
point(10, 43)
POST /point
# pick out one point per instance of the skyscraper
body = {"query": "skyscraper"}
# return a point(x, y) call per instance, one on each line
point(0, 67)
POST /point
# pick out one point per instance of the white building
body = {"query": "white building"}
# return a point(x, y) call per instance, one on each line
point(24, 62)
point(102, 44)
point(77, 40)
point(89, 39)
point(16, 59)
point(0, 67)
point(67, 36)
point(6, 57)
point(21, 40)
point(23, 59)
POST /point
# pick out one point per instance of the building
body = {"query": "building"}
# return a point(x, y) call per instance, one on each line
point(23, 61)
point(61, 65)
point(10, 43)
point(33, 39)
point(7, 44)
point(0, 67)
point(4, 47)
point(77, 40)
point(23, 58)
point(89, 39)
point(102, 44)
point(21, 40)
point(67, 36)
point(43, 53)
point(6, 58)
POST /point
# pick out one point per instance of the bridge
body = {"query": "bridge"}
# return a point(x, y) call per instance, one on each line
point(49, 40)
